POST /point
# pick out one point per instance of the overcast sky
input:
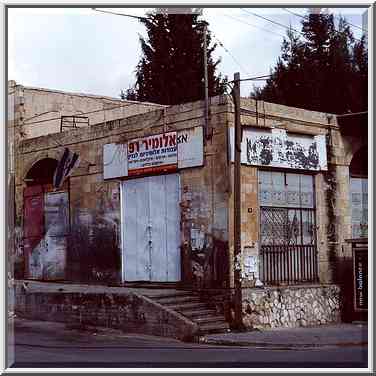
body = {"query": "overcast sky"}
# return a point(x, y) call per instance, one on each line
point(81, 50)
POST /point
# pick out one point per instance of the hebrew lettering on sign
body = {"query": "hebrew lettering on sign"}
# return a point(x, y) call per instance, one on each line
point(154, 154)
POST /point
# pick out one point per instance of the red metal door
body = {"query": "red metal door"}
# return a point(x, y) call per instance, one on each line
point(33, 231)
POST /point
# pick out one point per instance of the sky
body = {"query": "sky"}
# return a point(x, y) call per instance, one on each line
point(81, 50)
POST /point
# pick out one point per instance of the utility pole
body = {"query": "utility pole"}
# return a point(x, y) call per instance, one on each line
point(237, 205)
point(207, 130)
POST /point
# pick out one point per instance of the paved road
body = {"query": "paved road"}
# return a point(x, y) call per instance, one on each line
point(54, 345)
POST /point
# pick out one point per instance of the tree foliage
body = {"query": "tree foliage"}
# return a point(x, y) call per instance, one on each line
point(171, 69)
point(325, 70)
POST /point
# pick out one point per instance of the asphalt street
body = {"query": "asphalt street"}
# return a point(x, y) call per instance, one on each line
point(42, 344)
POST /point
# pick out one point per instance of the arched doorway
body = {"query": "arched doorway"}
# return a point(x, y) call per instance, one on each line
point(359, 193)
point(45, 223)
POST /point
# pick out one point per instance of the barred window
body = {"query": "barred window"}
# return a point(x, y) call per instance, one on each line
point(359, 207)
point(287, 213)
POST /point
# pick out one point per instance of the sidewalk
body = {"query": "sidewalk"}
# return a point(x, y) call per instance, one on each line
point(286, 338)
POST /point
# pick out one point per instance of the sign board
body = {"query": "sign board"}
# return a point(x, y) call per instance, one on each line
point(277, 148)
point(360, 280)
point(115, 161)
point(152, 154)
point(165, 152)
point(190, 147)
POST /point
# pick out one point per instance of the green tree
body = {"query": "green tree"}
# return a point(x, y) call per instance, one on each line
point(171, 69)
point(326, 70)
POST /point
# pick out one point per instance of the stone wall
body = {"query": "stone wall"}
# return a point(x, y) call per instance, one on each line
point(41, 109)
point(128, 311)
point(204, 190)
point(291, 306)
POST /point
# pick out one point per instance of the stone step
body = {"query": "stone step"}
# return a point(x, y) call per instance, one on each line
point(174, 294)
point(168, 301)
point(214, 328)
point(182, 307)
point(195, 313)
point(209, 318)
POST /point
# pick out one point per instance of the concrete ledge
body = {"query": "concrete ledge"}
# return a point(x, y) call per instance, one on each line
point(128, 311)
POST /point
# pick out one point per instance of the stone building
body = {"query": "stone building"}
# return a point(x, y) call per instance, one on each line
point(150, 201)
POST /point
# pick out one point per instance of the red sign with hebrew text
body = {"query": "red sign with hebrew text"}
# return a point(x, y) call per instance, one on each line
point(153, 154)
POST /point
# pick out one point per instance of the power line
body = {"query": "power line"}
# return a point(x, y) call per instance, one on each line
point(269, 20)
point(293, 13)
point(257, 27)
point(121, 14)
point(307, 18)
point(257, 78)
point(157, 106)
point(233, 57)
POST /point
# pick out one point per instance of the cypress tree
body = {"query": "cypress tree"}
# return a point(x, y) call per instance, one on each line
point(171, 69)
point(325, 71)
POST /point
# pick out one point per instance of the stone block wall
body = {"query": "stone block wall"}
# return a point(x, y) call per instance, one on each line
point(42, 109)
point(95, 202)
point(129, 312)
point(291, 306)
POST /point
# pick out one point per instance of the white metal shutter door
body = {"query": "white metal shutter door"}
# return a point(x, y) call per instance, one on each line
point(135, 213)
point(158, 223)
point(173, 228)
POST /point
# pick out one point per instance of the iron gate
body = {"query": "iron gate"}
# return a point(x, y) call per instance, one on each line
point(288, 252)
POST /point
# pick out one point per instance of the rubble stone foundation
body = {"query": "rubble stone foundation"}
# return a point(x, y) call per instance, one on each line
point(273, 307)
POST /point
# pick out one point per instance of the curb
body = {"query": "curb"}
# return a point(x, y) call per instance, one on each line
point(278, 346)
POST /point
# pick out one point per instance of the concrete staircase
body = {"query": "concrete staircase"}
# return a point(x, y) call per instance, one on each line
point(190, 305)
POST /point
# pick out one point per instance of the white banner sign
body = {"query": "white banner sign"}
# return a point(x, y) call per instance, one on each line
point(277, 148)
point(154, 154)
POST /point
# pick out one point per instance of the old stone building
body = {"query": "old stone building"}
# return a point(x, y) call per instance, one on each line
point(150, 201)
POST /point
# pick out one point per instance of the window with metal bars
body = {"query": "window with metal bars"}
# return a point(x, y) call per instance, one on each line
point(287, 227)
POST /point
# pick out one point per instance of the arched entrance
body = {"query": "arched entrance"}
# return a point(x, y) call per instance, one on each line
point(46, 223)
point(359, 193)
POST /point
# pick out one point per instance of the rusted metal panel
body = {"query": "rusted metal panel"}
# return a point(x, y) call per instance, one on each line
point(33, 212)
point(33, 231)
point(46, 224)
point(277, 148)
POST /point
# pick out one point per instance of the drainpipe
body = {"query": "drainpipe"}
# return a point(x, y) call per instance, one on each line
point(207, 130)
point(238, 322)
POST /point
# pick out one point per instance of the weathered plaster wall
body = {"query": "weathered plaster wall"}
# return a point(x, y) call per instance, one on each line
point(96, 203)
point(291, 306)
point(40, 109)
point(265, 116)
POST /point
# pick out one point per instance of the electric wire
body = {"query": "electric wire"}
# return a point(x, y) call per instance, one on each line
point(158, 106)
point(229, 53)
point(257, 27)
point(271, 21)
point(307, 18)
point(121, 14)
